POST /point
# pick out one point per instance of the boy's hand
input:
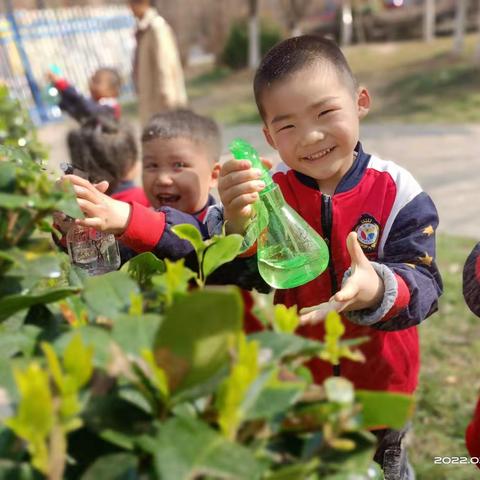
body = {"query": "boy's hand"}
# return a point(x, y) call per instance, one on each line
point(238, 187)
point(101, 211)
point(51, 77)
point(363, 289)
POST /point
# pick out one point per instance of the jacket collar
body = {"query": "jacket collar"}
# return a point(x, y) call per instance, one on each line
point(202, 212)
point(350, 179)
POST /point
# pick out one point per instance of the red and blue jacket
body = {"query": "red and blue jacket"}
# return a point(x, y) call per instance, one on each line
point(395, 222)
point(471, 293)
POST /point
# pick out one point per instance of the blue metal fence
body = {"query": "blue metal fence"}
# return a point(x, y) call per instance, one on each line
point(78, 40)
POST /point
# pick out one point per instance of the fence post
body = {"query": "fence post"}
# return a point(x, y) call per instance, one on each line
point(17, 38)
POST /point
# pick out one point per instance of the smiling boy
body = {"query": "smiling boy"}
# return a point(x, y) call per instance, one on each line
point(384, 283)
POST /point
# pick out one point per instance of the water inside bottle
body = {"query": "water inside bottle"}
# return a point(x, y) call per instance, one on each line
point(280, 269)
point(93, 251)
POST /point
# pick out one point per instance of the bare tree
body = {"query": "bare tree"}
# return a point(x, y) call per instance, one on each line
point(294, 11)
point(460, 21)
point(477, 50)
point(429, 20)
point(346, 23)
point(253, 34)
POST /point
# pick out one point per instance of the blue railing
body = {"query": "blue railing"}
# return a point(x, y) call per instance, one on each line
point(78, 40)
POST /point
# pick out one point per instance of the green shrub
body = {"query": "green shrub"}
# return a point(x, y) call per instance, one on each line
point(16, 128)
point(134, 374)
point(235, 52)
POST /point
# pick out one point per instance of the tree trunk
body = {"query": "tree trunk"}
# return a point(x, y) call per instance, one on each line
point(253, 35)
point(460, 20)
point(477, 50)
point(429, 20)
point(346, 25)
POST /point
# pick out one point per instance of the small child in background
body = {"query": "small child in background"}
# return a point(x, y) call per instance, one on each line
point(104, 85)
point(471, 293)
point(105, 149)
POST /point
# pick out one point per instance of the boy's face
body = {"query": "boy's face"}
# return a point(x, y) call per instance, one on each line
point(312, 119)
point(178, 173)
point(100, 86)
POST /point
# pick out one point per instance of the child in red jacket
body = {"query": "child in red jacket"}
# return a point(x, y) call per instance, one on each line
point(471, 293)
point(378, 223)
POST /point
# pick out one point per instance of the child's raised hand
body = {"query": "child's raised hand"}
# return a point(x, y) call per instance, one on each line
point(238, 187)
point(101, 211)
point(363, 289)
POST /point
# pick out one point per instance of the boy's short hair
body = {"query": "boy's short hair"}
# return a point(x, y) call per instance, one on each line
point(103, 148)
point(114, 78)
point(184, 123)
point(292, 55)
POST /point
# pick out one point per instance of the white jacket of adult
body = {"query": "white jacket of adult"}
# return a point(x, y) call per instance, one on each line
point(157, 70)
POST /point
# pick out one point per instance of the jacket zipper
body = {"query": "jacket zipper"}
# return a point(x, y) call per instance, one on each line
point(327, 220)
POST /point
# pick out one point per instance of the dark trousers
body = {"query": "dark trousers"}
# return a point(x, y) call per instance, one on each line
point(391, 454)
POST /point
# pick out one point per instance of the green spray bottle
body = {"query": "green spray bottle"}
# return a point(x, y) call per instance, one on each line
point(289, 251)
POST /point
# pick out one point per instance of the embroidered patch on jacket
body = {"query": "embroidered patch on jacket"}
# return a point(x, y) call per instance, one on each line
point(368, 233)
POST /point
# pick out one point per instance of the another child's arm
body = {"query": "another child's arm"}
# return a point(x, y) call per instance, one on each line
point(140, 228)
point(471, 280)
point(74, 103)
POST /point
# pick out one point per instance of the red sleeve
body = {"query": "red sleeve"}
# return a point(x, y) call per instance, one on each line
point(134, 194)
point(61, 84)
point(402, 300)
point(144, 229)
point(472, 435)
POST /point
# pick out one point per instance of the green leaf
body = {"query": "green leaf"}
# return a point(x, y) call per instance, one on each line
point(295, 472)
point(92, 336)
point(283, 345)
point(134, 334)
point(187, 448)
point(22, 341)
point(190, 233)
point(269, 396)
point(220, 251)
point(176, 279)
point(193, 340)
point(109, 294)
point(14, 303)
point(286, 319)
point(35, 417)
point(385, 409)
point(232, 393)
point(116, 466)
point(77, 361)
point(142, 267)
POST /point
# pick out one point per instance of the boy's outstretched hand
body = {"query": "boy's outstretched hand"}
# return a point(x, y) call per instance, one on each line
point(238, 187)
point(363, 289)
point(101, 211)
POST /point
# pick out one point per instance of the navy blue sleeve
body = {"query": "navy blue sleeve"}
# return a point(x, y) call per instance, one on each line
point(410, 252)
point(80, 107)
point(471, 280)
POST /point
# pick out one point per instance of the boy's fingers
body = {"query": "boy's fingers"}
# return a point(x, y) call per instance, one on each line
point(267, 162)
point(247, 192)
point(347, 293)
point(355, 251)
point(102, 186)
point(240, 203)
point(237, 178)
point(234, 166)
